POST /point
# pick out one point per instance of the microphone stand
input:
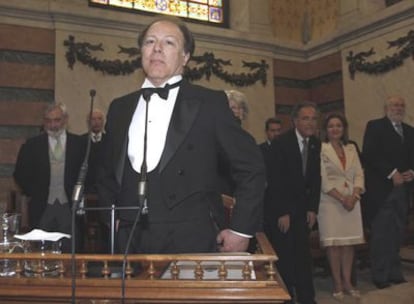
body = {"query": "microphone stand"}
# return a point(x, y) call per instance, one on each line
point(78, 198)
point(142, 193)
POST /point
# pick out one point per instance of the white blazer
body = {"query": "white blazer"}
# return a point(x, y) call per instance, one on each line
point(335, 176)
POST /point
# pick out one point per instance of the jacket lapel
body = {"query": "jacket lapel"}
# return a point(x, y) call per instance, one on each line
point(122, 126)
point(331, 154)
point(184, 114)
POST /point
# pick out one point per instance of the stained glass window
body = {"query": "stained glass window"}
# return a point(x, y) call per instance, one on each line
point(212, 11)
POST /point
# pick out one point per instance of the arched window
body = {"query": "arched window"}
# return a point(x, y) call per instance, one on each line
point(213, 12)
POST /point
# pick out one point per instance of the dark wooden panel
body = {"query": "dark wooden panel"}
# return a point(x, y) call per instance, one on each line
point(13, 37)
point(27, 76)
point(22, 113)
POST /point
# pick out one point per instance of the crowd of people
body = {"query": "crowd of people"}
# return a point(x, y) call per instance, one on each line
point(339, 184)
point(172, 147)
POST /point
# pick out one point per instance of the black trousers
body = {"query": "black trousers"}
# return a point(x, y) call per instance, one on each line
point(295, 261)
point(387, 233)
point(57, 217)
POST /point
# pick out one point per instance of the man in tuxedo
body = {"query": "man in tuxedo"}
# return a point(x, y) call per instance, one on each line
point(292, 200)
point(47, 169)
point(388, 152)
point(187, 128)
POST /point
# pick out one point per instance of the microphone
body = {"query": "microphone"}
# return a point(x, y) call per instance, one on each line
point(78, 199)
point(143, 181)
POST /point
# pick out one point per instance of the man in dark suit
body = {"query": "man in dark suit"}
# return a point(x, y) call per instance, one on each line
point(186, 133)
point(46, 170)
point(273, 129)
point(96, 123)
point(388, 152)
point(292, 200)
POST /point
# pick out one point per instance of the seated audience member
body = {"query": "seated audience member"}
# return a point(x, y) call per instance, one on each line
point(339, 217)
point(47, 169)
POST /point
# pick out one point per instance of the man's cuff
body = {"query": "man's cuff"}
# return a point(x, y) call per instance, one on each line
point(392, 174)
point(242, 234)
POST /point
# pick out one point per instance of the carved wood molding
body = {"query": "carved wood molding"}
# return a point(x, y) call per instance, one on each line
point(206, 64)
point(404, 46)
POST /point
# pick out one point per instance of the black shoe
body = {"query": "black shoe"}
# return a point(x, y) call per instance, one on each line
point(398, 281)
point(382, 285)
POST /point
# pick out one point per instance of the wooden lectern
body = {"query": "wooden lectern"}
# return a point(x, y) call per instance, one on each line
point(178, 278)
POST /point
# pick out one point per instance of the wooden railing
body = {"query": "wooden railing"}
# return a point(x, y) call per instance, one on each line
point(238, 278)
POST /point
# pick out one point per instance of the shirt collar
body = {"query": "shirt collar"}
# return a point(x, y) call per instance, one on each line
point(172, 80)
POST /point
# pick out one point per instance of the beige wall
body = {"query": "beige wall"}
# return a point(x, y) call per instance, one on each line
point(112, 28)
point(365, 95)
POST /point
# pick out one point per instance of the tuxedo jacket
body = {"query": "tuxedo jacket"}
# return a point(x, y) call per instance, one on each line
point(201, 130)
point(383, 151)
point(32, 171)
point(288, 191)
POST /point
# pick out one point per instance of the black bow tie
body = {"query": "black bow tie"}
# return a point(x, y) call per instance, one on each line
point(162, 92)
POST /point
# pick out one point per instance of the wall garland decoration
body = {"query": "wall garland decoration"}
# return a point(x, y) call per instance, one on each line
point(358, 63)
point(206, 64)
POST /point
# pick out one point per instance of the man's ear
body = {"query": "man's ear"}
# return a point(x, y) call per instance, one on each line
point(186, 58)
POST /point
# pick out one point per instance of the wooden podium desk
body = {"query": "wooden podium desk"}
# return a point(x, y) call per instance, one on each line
point(178, 278)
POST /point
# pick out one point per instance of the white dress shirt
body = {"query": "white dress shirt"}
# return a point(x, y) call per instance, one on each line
point(159, 116)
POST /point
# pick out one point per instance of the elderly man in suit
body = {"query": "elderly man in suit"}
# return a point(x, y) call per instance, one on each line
point(187, 129)
point(292, 200)
point(388, 152)
point(96, 123)
point(47, 169)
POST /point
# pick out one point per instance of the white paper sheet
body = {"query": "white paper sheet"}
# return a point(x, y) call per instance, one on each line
point(40, 235)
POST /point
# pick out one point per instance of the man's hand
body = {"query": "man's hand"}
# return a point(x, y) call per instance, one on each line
point(311, 219)
point(397, 179)
point(229, 241)
point(408, 176)
point(284, 223)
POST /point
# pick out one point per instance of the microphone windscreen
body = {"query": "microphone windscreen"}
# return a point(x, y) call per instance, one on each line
point(92, 93)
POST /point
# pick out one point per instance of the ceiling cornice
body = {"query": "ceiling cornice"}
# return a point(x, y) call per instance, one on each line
point(61, 15)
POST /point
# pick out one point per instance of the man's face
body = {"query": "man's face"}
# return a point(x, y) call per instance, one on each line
point(273, 131)
point(163, 54)
point(97, 122)
point(395, 109)
point(306, 122)
point(54, 121)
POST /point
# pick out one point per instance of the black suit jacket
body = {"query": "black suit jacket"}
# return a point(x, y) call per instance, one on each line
point(201, 130)
point(383, 151)
point(288, 191)
point(94, 162)
point(32, 171)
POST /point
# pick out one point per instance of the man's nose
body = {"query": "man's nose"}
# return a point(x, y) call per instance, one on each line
point(157, 46)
